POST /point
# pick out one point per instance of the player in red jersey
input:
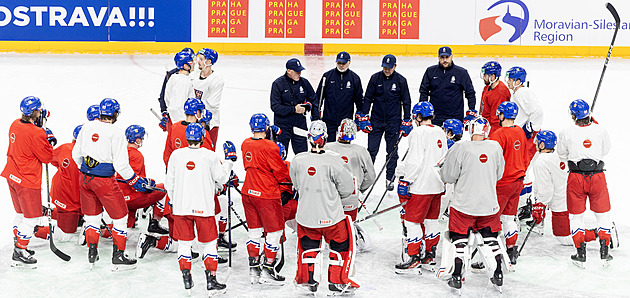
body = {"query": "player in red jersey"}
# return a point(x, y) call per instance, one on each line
point(494, 93)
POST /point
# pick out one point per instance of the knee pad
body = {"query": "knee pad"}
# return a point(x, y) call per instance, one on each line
point(340, 246)
point(487, 233)
point(308, 243)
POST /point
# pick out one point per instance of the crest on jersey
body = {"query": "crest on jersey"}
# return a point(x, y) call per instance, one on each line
point(178, 143)
point(483, 158)
point(453, 80)
point(248, 156)
point(348, 86)
point(198, 94)
point(311, 171)
point(393, 87)
point(345, 158)
point(439, 143)
point(95, 137)
point(12, 137)
point(65, 163)
point(517, 145)
point(562, 165)
point(301, 89)
point(587, 144)
point(190, 165)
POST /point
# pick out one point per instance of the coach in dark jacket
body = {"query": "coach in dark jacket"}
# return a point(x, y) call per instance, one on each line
point(444, 86)
point(342, 92)
point(387, 93)
point(291, 98)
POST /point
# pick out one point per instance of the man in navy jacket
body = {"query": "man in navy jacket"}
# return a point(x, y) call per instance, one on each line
point(444, 85)
point(292, 96)
point(388, 95)
point(342, 92)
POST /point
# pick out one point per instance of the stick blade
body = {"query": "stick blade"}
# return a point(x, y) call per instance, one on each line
point(613, 11)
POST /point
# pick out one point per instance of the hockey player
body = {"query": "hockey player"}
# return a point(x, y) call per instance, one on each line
point(530, 116)
point(583, 146)
point(178, 89)
point(262, 200)
point(323, 180)
point(454, 130)
point(208, 87)
point(387, 94)
point(494, 93)
point(29, 147)
point(163, 107)
point(474, 167)
point(190, 182)
point(194, 111)
point(292, 96)
point(342, 91)
point(100, 151)
point(64, 190)
point(512, 140)
point(419, 181)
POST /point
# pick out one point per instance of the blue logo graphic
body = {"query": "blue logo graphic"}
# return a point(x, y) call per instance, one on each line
point(488, 27)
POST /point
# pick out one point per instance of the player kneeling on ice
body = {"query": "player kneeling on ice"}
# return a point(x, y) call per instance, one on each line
point(361, 167)
point(323, 179)
point(584, 145)
point(193, 173)
point(474, 167)
point(420, 183)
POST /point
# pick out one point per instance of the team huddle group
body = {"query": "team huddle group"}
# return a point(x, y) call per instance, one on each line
point(504, 163)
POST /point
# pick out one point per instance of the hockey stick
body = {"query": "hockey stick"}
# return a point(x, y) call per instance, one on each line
point(300, 132)
point(321, 98)
point(615, 15)
point(382, 169)
point(375, 214)
point(156, 114)
point(54, 248)
point(236, 226)
point(244, 223)
point(531, 228)
point(383, 196)
point(380, 228)
point(229, 223)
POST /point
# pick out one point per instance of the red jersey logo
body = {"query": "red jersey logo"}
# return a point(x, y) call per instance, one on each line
point(12, 137)
point(483, 158)
point(562, 165)
point(311, 171)
point(439, 143)
point(587, 143)
point(517, 145)
point(345, 158)
point(198, 94)
point(95, 137)
point(248, 156)
point(190, 165)
point(178, 143)
point(65, 163)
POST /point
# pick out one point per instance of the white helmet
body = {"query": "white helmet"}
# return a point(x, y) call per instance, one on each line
point(478, 126)
point(347, 130)
point(317, 133)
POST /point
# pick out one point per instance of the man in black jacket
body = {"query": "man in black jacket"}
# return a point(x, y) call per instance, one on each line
point(444, 85)
point(292, 96)
point(342, 91)
point(387, 93)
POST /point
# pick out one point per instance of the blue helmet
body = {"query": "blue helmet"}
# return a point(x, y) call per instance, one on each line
point(580, 109)
point(516, 73)
point(195, 132)
point(259, 122)
point(93, 112)
point(134, 132)
point(109, 107)
point(548, 137)
point(206, 116)
point(210, 54)
point(454, 125)
point(424, 108)
point(182, 58)
point(193, 105)
point(509, 109)
point(283, 150)
point(30, 104)
point(188, 50)
point(491, 68)
point(75, 133)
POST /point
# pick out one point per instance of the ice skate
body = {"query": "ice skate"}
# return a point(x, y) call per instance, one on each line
point(341, 289)
point(188, 281)
point(455, 282)
point(92, 255)
point(155, 227)
point(213, 286)
point(145, 242)
point(428, 260)
point(224, 245)
point(513, 254)
point(603, 253)
point(389, 184)
point(497, 281)
point(254, 270)
point(411, 266)
point(270, 275)
point(23, 259)
point(309, 287)
point(579, 259)
point(121, 261)
point(222, 259)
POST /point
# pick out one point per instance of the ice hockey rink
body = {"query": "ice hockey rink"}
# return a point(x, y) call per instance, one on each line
point(68, 84)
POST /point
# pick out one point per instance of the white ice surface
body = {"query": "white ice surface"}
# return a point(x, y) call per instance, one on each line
point(68, 84)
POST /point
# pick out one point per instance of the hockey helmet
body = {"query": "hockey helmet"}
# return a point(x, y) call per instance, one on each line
point(193, 105)
point(134, 132)
point(478, 126)
point(516, 73)
point(548, 137)
point(424, 108)
point(195, 132)
point(93, 112)
point(109, 107)
point(453, 125)
point(209, 54)
point(259, 122)
point(509, 109)
point(182, 58)
point(317, 134)
point(347, 130)
point(30, 104)
point(206, 116)
point(491, 68)
point(579, 108)
point(77, 130)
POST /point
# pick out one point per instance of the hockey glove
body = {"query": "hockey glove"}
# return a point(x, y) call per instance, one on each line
point(276, 130)
point(529, 131)
point(403, 187)
point(150, 185)
point(206, 116)
point(307, 106)
point(50, 137)
point(138, 183)
point(363, 122)
point(406, 125)
point(43, 117)
point(233, 181)
point(538, 212)
point(470, 115)
point(286, 196)
point(230, 150)
point(163, 121)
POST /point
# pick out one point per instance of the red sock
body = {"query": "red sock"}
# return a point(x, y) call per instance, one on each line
point(253, 248)
point(578, 237)
point(162, 242)
point(222, 226)
point(120, 239)
point(184, 262)
point(590, 235)
point(211, 262)
point(270, 252)
point(602, 234)
point(105, 232)
point(92, 234)
point(42, 232)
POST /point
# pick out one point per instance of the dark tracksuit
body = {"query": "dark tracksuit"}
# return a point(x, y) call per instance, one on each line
point(161, 98)
point(285, 95)
point(444, 88)
point(342, 91)
point(387, 95)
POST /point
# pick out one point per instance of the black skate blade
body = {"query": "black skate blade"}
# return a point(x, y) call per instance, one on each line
point(120, 268)
point(412, 271)
point(20, 265)
point(212, 293)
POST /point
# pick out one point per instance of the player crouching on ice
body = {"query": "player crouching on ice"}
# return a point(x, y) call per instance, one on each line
point(323, 179)
point(193, 173)
point(474, 167)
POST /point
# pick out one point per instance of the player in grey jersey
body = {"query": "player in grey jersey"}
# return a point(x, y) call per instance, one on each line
point(322, 180)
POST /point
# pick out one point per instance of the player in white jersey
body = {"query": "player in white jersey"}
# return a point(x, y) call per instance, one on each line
point(420, 183)
point(194, 173)
point(179, 88)
point(474, 167)
point(454, 130)
point(322, 180)
point(208, 86)
point(584, 146)
point(361, 167)
point(101, 151)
